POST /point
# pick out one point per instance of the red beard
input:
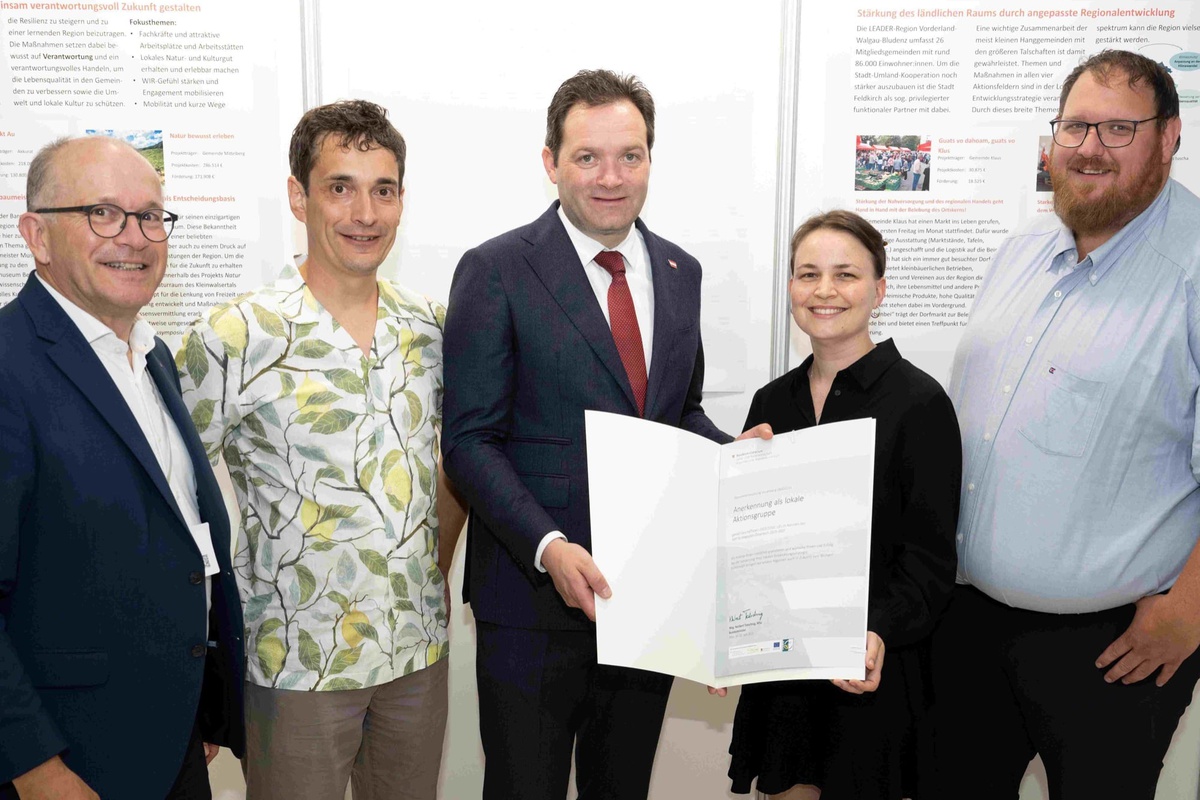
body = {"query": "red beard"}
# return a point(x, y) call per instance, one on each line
point(1095, 211)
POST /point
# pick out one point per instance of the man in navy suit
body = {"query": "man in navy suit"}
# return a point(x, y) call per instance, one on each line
point(120, 624)
point(584, 308)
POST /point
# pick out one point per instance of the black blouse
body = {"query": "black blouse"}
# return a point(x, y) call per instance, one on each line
point(918, 474)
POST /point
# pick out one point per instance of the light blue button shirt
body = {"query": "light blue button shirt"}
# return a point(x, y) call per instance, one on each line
point(1076, 388)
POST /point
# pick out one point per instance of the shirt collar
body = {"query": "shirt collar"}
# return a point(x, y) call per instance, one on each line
point(299, 303)
point(871, 367)
point(587, 247)
point(289, 276)
point(863, 372)
point(141, 337)
point(1106, 255)
point(307, 308)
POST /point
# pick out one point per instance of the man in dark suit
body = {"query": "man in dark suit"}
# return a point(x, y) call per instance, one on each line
point(584, 308)
point(120, 624)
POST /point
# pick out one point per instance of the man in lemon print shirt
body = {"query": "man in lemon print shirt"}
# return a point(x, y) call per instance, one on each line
point(323, 391)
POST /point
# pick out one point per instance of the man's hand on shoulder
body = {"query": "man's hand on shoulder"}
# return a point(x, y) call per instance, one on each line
point(760, 431)
point(1162, 634)
point(576, 576)
point(52, 780)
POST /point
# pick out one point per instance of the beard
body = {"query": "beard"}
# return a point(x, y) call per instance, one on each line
point(1109, 209)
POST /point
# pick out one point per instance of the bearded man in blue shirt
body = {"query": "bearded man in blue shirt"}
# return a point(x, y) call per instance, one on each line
point(1076, 386)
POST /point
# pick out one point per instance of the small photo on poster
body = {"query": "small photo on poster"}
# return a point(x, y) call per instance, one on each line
point(1043, 164)
point(147, 142)
point(891, 163)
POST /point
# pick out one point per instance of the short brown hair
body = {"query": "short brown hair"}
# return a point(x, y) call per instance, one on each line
point(357, 123)
point(846, 222)
point(596, 87)
point(1137, 70)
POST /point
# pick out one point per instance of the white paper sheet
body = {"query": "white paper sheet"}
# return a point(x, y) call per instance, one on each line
point(732, 564)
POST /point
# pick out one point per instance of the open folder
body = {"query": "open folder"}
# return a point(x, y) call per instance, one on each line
point(732, 564)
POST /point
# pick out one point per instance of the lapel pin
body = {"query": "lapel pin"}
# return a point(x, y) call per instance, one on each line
point(672, 264)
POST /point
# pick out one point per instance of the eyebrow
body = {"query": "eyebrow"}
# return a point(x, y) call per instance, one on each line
point(351, 179)
point(834, 266)
point(112, 201)
point(595, 148)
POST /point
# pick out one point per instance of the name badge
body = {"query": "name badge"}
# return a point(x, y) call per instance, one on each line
point(207, 553)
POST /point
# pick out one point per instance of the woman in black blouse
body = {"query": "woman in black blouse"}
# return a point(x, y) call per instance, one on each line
point(857, 739)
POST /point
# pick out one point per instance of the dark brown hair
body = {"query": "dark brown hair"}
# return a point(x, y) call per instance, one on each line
point(596, 87)
point(356, 123)
point(846, 222)
point(1137, 70)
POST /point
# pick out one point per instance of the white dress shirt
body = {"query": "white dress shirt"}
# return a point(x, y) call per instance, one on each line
point(641, 288)
point(141, 395)
point(637, 275)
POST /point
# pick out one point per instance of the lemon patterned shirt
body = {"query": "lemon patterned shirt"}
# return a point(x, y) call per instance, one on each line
point(334, 460)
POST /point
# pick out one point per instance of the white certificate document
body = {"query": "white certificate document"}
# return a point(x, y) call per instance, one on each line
point(732, 564)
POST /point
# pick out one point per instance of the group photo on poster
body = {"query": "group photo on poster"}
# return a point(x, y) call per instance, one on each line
point(892, 163)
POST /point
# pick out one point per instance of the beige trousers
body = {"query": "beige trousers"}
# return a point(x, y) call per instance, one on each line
point(386, 740)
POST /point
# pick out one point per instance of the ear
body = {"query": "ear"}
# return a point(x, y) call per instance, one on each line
point(297, 199)
point(33, 230)
point(549, 162)
point(1171, 135)
point(880, 291)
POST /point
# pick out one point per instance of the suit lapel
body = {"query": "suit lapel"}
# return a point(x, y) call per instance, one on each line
point(162, 371)
point(554, 259)
point(208, 493)
point(75, 357)
point(665, 309)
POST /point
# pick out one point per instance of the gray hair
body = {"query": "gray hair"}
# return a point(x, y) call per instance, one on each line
point(40, 170)
point(41, 180)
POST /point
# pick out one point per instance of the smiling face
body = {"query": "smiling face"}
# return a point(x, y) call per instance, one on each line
point(833, 289)
point(1097, 190)
point(602, 169)
point(111, 279)
point(351, 209)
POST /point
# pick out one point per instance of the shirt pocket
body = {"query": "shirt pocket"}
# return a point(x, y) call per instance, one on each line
point(1063, 413)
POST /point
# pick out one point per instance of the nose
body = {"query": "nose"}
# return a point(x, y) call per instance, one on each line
point(1091, 146)
point(362, 210)
point(825, 287)
point(610, 175)
point(131, 235)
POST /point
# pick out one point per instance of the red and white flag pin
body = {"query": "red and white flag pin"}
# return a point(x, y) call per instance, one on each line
point(672, 264)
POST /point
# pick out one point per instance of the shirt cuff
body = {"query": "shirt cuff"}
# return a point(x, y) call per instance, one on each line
point(547, 539)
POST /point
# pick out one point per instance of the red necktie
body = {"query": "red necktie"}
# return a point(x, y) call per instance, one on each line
point(623, 320)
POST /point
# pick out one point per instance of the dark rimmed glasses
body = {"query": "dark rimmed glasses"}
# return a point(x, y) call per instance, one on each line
point(1112, 133)
point(107, 220)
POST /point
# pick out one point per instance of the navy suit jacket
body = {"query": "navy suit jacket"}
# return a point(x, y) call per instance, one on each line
point(102, 626)
point(527, 351)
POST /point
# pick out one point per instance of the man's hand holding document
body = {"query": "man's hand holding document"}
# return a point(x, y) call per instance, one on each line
point(732, 564)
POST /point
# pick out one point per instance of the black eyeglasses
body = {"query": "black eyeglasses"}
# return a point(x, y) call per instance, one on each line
point(1113, 133)
point(107, 220)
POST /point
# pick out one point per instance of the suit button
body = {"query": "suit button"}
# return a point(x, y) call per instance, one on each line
point(196, 578)
point(198, 650)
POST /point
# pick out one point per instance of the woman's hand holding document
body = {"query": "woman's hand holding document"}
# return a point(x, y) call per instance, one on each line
point(732, 564)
